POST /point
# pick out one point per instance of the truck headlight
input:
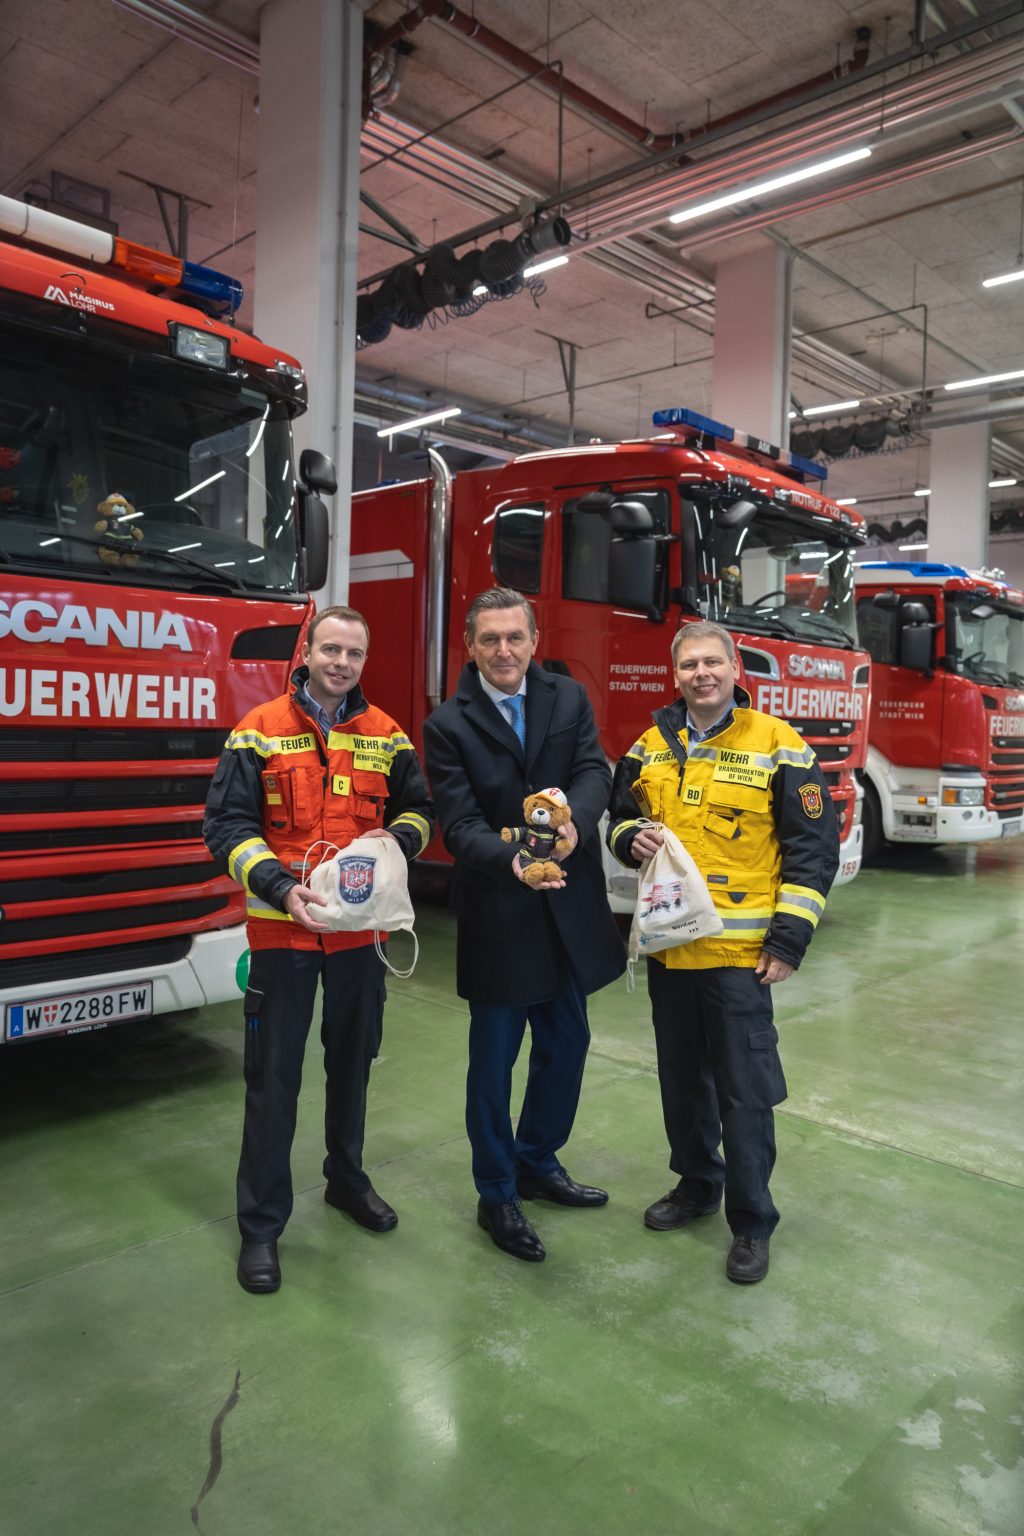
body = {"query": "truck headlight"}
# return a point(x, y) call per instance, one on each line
point(974, 796)
point(858, 811)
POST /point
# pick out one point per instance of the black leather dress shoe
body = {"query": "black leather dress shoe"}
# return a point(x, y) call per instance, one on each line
point(258, 1269)
point(560, 1188)
point(676, 1210)
point(748, 1260)
point(510, 1230)
point(364, 1206)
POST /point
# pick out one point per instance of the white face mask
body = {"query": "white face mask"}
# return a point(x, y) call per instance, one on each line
point(365, 888)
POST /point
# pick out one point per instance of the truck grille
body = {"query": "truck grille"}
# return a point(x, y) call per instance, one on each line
point(148, 955)
point(1006, 775)
point(117, 817)
point(833, 740)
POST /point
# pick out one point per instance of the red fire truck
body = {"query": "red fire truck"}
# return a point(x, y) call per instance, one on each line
point(945, 757)
point(616, 545)
point(152, 589)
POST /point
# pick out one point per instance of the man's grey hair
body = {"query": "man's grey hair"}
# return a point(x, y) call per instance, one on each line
point(702, 630)
point(499, 598)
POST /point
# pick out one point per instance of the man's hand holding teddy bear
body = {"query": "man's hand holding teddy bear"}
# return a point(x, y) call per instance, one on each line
point(547, 839)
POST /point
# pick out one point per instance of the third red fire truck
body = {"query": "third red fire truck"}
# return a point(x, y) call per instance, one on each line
point(617, 544)
point(946, 742)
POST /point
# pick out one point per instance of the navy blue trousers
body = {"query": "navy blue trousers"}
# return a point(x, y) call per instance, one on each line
point(560, 1036)
point(720, 1075)
point(279, 1006)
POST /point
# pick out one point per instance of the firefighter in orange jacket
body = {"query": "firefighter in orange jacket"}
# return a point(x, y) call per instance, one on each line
point(316, 763)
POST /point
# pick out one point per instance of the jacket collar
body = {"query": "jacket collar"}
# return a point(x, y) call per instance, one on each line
point(671, 720)
point(355, 702)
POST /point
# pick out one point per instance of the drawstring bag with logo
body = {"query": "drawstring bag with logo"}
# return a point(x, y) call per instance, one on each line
point(674, 905)
point(364, 887)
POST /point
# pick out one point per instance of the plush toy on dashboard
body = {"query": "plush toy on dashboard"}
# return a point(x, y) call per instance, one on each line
point(545, 813)
point(120, 530)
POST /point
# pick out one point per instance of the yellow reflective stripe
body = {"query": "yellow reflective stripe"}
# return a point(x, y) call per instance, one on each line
point(268, 746)
point(637, 751)
point(808, 893)
point(256, 908)
point(346, 742)
point(401, 743)
point(737, 927)
point(244, 856)
point(415, 820)
point(241, 741)
point(624, 826)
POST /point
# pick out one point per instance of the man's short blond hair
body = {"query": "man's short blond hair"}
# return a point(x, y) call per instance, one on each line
point(703, 629)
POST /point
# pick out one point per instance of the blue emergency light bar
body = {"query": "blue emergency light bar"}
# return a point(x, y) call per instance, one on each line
point(915, 567)
point(213, 286)
point(693, 421)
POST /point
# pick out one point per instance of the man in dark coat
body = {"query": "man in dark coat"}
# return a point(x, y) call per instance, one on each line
point(524, 955)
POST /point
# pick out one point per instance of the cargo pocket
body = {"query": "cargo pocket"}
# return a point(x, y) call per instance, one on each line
point(766, 1083)
point(277, 800)
point(369, 792)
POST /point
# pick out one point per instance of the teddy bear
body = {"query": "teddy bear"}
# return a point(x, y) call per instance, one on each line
point(115, 512)
point(540, 838)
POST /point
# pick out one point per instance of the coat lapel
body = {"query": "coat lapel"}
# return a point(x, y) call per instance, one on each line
point(540, 705)
point(483, 714)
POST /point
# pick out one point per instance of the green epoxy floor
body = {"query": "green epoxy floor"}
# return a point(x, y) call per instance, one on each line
point(422, 1383)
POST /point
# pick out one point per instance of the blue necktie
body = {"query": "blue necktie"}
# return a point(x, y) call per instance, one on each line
point(514, 706)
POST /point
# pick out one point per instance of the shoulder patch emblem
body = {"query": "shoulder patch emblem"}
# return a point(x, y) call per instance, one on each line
point(810, 799)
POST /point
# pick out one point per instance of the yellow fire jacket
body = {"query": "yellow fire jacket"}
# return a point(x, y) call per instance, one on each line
point(752, 807)
point(280, 787)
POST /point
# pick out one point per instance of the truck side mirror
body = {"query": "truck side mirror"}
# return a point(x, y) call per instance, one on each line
point(630, 520)
point(886, 600)
point(632, 570)
point(599, 502)
point(317, 472)
point(916, 637)
point(315, 538)
point(738, 515)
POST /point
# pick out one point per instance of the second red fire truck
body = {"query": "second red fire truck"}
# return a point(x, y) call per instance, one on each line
point(616, 544)
point(945, 759)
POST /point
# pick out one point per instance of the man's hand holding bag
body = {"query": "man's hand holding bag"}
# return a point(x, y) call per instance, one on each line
point(674, 905)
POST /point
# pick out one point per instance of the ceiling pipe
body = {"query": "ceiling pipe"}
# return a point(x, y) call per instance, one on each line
point(191, 26)
point(993, 410)
point(474, 424)
point(552, 79)
point(858, 186)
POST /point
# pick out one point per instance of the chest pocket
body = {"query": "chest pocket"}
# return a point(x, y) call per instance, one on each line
point(292, 798)
point(730, 805)
point(369, 792)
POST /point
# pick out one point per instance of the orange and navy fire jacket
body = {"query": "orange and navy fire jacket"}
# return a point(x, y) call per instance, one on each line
point(281, 786)
point(752, 808)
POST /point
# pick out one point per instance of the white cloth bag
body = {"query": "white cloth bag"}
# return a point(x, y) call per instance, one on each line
point(674, 905)
point(364, 887)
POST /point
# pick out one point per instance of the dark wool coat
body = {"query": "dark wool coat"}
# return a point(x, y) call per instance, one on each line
point(512, 941)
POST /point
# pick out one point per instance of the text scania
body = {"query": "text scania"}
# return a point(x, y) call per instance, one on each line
point(37, 622)
point(40, 694)
point(810, 703)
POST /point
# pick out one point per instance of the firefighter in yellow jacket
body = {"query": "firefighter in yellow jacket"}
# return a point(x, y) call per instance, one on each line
point(317, 763)
point(745, 795)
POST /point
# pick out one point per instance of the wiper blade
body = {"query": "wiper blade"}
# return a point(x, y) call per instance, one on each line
point(986, 672)
point(831, 626)
point(764, 623)
point(208, 572)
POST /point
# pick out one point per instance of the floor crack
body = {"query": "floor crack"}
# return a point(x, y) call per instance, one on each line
point(216, 1453)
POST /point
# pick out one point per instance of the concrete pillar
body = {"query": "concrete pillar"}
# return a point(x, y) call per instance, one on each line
point(958, 474)
point(308, 224)
point(753, 321)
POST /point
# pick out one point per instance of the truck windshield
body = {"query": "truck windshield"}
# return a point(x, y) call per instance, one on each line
point(117, 466)
point(769, 570)
point(988, 639)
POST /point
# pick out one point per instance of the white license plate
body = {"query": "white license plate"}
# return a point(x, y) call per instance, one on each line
point(1011, 828)
point(71, 1011)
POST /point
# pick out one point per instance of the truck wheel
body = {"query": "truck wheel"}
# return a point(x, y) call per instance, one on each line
point(873, 836)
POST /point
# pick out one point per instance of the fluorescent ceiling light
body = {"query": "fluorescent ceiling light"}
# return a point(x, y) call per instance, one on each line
point(43, 542)
point(907, 547)
point(994, 484)
point(923, 490)
point(200, 487)
point(846, 501)
point(420, 421)
point(989, 378)
point(545, 266)
point(179, 547)
point(1005, 277)
point(830, 410)
point(756, 188)
point(792, 415)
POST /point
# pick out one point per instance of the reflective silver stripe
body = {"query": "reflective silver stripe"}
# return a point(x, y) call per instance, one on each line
point(241, 864)
point(804, 759)
point(625, 826)
point(256, 908)
point(264, 745)
point(815, 904)
point(704, 754)
point(417, 822)
point(637, 750)
point(744, 925)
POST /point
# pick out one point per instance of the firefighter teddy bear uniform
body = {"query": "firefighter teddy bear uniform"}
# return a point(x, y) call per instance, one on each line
point(752, 807)
point(282, 784)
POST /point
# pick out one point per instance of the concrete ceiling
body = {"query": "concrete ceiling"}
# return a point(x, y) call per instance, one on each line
point(100, 94)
